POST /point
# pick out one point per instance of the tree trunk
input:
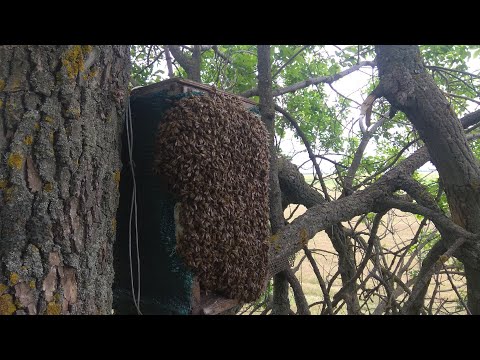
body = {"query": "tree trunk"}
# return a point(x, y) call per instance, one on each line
point(61, 116)
point(281, 303)
point(406, 84)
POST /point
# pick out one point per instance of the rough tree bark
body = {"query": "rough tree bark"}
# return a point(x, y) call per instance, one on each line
point(191, 64)
point(61, 114)
point(281, 303)
point(407, 85)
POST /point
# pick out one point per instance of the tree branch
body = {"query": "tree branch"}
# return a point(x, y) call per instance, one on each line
point(444, 224)
point(321, 282)
point(168, 58)
point(431, 264)
point(420, 193)
point(183, 60)
point(311, 155)
point(300, 300)
point(312, 81)
point(471, 119)
point(373, 233)
point(289, 61)
point(190, 64)
point(281, 304)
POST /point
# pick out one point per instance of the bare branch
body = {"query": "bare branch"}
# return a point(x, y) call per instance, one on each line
point(420, 193)
point(430, 266)
point(453, 70)
point(312, 81)
point(444, 224)
point(220, 54)
point(456, 290)
point(169, 61)
point(376, 222)
point(321, 282)
point(461, 97)
point(183, 60)
point(300, 300)
point(309, 149)
point(190, 64)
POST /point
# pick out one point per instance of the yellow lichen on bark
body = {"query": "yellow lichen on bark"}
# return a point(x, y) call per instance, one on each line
point(2, 85)
point(14, 278)
point(3, 288)
point(116, 177)
point(3, 184)
point(15, 161)
point(28, 140)
point(303, 237)
point(8, 193)
point(7, 307)
point(74, 59)
point(48, 187)
point(53, 308)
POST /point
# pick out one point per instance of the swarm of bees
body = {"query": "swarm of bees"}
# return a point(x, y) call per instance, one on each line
point(214, 154)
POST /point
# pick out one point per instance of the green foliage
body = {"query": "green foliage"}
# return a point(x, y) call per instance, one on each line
point(328, 125)
point(237, 75)
point(449, 67)
point(144, 71)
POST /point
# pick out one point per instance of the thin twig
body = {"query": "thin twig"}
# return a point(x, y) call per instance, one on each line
point(289, 61)
point(456, 290)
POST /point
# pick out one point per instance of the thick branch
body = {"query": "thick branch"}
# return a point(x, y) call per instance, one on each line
point(168, 58)
point(182, 59)
point(312, 81)
point(294, 188)
point(444, 224)
point(420, 193)
point(471, 119)
point(293, 237)
point(190, 64)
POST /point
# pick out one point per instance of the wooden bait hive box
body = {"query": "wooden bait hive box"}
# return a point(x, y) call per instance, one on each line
point(167, 285)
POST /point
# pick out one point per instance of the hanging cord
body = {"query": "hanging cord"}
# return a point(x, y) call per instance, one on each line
point(133, 207)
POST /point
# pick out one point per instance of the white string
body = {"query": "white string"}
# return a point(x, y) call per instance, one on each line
point(133, 207)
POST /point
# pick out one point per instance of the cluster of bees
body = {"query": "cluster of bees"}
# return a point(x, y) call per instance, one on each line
point(214, 154)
